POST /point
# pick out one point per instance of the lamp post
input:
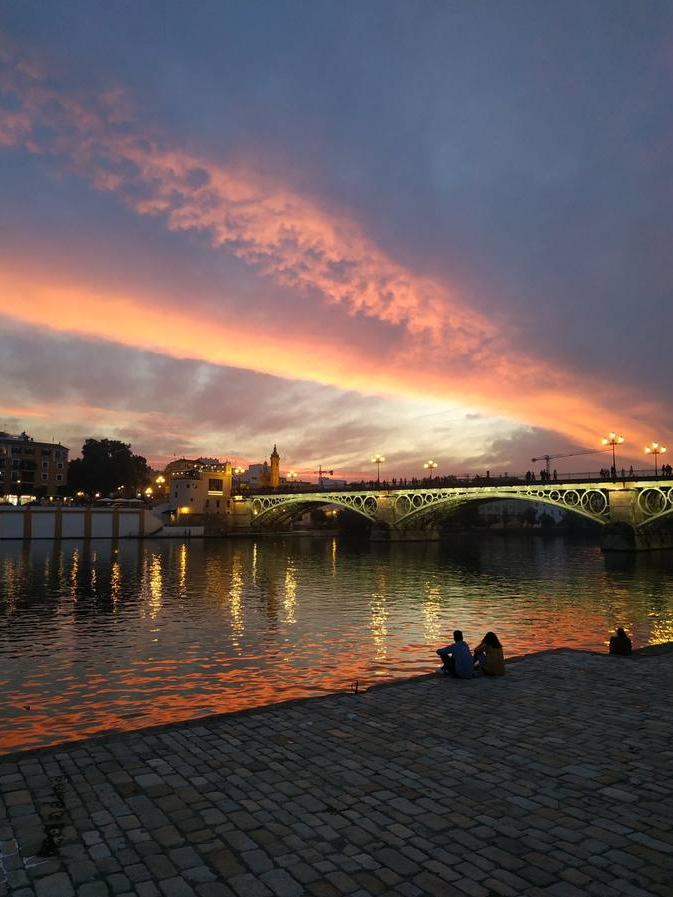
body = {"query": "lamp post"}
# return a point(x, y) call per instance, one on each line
point(160, 481)
point(430, 466)
point(238, 472)
point(655, 449)
point(613, 440)
point(291, 477)
point(18, 493)
point(378, 460)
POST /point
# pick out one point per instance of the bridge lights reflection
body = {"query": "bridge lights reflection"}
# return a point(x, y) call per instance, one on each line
point(430, 466)
point(612, 439)
point(655, 449)
point(378, 460)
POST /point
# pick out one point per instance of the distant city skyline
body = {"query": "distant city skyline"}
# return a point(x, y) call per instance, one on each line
point(424, 229)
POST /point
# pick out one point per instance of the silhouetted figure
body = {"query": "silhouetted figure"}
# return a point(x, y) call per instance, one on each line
point(620, 644)
point(488, 656)
point(631, 471)
point(457, 658)
point(555, 475)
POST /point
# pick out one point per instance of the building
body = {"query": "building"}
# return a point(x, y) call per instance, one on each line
point(31, 470)
point(265, 475)
point(203, 489)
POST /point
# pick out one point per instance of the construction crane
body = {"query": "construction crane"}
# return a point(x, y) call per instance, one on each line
point(548, 458)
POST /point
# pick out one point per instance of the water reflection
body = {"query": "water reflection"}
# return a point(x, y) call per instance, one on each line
point(96, 636)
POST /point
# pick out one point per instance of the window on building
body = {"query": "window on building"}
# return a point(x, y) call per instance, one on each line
point(59, 476)
point(60, 466)
point(46, 453)
point(44, 476)
point(214, 485)
point(45, 465)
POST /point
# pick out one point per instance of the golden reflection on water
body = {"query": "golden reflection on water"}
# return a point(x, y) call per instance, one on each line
point(182, 571)
point(93, 572)
point(290, 595)
point(432, 607)
point(378, 625)
point(253, 567)
point(73, 574)
point(235, 601)
point(115, 582)
point(333, 555)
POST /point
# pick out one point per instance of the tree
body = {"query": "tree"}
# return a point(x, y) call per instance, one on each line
point(105, 465)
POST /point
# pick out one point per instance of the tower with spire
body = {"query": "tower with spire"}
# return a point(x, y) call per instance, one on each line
point(275, 468)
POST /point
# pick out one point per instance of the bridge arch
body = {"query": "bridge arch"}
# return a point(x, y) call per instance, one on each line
point(655, 504)
point(411, 507)
point(289, 505)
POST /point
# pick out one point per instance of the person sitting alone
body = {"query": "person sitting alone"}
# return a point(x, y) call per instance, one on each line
point(620, 644)
point(457, 658)
point(488, 656)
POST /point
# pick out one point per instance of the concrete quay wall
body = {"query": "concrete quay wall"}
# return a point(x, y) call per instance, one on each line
point(76, 523)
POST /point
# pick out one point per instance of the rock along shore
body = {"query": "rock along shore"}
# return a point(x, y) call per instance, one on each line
point(555, 780)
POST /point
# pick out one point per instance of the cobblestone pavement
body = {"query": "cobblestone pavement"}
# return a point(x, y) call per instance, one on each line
point(556, 780)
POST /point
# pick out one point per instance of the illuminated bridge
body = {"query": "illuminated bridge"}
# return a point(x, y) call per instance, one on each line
point(635, 515)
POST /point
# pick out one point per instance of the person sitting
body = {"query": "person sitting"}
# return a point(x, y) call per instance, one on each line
point(457, 658)
point(488, 656)
point(620, 644)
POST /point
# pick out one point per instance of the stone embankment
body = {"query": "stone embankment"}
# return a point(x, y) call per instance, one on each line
point(556, 780)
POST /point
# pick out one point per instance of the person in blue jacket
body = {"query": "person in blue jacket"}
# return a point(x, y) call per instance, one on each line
point(457, 658)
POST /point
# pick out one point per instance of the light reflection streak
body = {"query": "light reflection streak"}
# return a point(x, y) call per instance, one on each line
point(182, 571)
point(235, 601)
point(156, 583)
point(73, 575)
point(431, 614)
point(333, 554)
point(93, 572)
point(378, 625)
point(115, 582)
point(290, 596)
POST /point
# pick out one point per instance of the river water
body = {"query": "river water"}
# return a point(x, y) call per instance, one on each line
point(96, 636)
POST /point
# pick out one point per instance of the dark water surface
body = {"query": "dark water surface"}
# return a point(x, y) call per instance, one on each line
point(96, 637)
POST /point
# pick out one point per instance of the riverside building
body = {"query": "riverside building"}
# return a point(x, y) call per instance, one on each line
point(31, 470)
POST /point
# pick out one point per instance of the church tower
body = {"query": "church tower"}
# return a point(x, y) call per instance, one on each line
point(275, 468)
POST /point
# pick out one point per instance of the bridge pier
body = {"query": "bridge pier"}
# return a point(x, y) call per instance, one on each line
point(624, 537)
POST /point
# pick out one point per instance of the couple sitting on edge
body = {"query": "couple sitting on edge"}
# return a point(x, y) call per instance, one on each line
point(458, 660)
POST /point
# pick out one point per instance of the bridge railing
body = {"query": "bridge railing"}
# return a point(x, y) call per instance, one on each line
point(464, 480)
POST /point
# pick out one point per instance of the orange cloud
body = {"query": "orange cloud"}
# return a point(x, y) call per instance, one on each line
point(549, 400)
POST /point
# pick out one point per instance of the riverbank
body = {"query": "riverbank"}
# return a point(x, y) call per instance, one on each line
point(556, 780)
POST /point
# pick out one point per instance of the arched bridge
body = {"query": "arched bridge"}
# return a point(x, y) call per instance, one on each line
point(631, 513)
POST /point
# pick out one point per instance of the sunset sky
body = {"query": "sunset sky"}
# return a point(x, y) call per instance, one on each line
point(429, 229)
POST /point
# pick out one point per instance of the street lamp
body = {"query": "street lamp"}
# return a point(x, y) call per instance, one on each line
point(430, 465)
point(291, 477)
point(238, 472)
point(18, 493)
point(378, 460)
point(655, 449)
point(613, 440)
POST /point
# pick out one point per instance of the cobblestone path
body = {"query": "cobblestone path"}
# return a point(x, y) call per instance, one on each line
point(556, 780)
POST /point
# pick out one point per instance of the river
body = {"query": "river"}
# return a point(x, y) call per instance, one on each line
point(97, 637)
